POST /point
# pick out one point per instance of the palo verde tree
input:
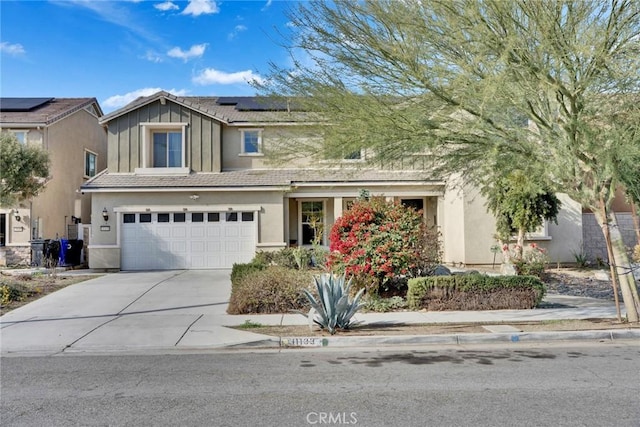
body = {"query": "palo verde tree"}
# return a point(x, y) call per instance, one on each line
point(550, 82)
point(23, 170)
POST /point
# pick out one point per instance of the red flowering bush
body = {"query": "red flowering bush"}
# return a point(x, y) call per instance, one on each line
point(377, 241)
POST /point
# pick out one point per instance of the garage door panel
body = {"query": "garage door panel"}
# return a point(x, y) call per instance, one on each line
point(213, 232)
point(208, 242)
point(231, 231)
point(197, 247)
point(163, 231)
point(247, 232)
point(196, 232)
point(179, 232)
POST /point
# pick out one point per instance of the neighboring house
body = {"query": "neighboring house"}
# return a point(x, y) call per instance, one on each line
point(187, 186)
point(68, 129)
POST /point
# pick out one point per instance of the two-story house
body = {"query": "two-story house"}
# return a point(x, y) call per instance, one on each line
point(187, 186)
point(68, 129)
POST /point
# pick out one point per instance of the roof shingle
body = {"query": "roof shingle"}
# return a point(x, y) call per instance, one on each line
point(49, 112)
point(254, 178)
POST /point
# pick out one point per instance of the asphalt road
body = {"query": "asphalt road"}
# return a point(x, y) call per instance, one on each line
point(514, 385)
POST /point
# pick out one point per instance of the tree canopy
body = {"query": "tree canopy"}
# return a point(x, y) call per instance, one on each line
point(550, 81)
point(23, 170)
point(520, 205)
point(555, 83)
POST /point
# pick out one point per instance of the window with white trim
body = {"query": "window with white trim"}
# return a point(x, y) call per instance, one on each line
point(251, 141)
point(311, 222)
point(21, 135)
point(163, 148)
point(541, 233)
point(90, 163)
point(167, 149)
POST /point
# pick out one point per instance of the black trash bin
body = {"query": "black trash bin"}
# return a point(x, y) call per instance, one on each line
point(37, 249)
point(72, 252)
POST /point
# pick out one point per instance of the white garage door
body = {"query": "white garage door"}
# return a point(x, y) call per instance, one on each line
point(187, 240)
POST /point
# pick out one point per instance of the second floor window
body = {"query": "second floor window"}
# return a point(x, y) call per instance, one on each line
point(251, 141)
point(164, 149)
point(167, 149)
point(90, 163)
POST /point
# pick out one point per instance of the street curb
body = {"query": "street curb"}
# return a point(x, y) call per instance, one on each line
point(459, 339)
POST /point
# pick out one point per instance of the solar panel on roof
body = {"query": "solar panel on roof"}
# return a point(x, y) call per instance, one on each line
point(227, 100)
point(22, 104)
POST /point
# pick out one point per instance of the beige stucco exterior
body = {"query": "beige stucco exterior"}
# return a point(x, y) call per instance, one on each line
point(213, 152)
point(51, 212)
point(468, 229)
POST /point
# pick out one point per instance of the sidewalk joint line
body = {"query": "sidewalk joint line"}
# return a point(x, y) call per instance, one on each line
point(187, 330)
point(149, 290)
point(87, 334)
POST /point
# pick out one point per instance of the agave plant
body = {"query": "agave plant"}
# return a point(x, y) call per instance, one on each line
point(332, 310)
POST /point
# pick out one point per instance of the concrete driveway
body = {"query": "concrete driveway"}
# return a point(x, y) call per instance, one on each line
point(127, 311)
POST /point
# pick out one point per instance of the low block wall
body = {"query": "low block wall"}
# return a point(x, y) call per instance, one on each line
point(593, 241)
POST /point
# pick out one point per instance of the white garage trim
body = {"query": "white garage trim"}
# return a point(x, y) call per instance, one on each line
point(185, 208)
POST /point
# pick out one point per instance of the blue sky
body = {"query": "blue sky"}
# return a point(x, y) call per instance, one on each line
point(117, 51)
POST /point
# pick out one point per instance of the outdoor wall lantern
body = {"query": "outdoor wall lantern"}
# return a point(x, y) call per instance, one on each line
point(16, 215)
point(105, 214)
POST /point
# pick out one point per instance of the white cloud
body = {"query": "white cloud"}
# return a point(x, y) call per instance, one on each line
point(200, 7)
point(117, 101)
point(153, 56)
point(195, 51)
point(12, 49)
point(210, 76)
point(166, 6)
point(267, 5)
point(237, 30)
point(114, 12)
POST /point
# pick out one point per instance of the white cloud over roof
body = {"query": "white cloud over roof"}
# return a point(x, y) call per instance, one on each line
point(12, 49)
point(166, 6)
point(210, 76)
point(195, 51)
point(201, 7)
point(118, 101)
point(236, 30)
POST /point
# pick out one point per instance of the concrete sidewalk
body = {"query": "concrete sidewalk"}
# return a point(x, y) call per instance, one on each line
point(169, 310)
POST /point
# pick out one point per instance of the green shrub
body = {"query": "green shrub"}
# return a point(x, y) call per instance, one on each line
point(383, 305)
point(284, 257)
point(240, 270)
point(272, 289)
point(10, 292)
point(299, 257)
point(475, 292)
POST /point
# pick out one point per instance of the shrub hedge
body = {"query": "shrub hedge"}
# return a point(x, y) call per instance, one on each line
point(268, 289)
point(240, 270)
point(474, 292)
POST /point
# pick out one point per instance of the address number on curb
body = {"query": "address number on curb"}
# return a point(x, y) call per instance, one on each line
point(305, 342)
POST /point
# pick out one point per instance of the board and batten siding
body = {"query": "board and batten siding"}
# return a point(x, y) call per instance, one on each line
point(203, 145)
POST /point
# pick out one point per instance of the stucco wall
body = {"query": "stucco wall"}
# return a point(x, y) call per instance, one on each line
point(468, 229)
point(66, 143)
